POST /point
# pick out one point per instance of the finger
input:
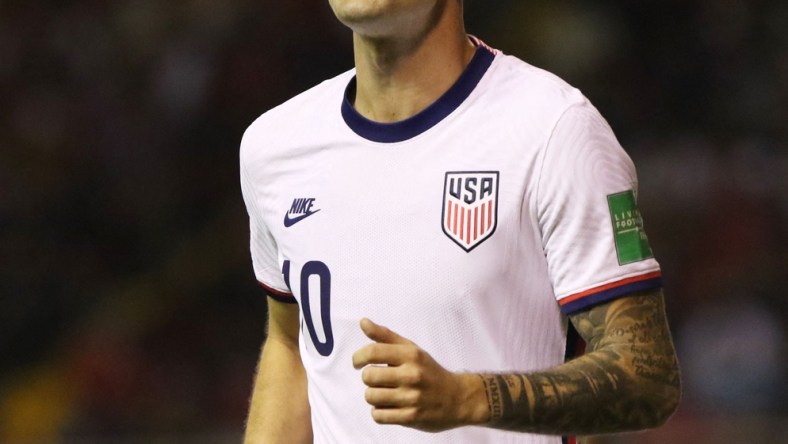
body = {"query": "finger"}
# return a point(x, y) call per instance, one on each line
point(391, 397)
point(389, 354)
point(379, 333)
point(376, 376)
point(402, 416)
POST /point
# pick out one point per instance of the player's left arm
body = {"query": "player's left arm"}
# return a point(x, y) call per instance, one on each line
point(628, 380)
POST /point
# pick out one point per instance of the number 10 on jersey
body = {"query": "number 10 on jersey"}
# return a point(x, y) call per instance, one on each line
point(321, 272)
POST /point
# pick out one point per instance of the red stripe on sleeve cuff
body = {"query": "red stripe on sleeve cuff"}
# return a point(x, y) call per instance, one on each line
point(278, 295)
point(604, 293)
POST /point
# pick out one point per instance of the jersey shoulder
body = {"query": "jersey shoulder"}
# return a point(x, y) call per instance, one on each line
point(533, 88)
point(298, 117)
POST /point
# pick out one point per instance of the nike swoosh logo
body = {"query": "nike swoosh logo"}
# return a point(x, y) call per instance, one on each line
point(289, 222)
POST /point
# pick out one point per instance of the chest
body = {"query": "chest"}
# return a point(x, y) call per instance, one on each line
point(385, 202)
point(443, 213)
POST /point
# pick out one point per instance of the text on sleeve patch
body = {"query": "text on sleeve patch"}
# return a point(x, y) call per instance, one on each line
point(631, 241)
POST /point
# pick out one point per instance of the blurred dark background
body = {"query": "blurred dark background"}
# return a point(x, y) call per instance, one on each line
point(128, 307)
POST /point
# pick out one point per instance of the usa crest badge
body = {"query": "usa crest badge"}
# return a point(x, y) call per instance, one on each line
point(470, 207)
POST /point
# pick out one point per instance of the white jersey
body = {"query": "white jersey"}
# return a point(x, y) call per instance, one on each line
point(473, 228)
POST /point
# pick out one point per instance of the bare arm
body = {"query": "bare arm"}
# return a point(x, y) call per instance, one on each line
point(279, 411)
point(629, 380)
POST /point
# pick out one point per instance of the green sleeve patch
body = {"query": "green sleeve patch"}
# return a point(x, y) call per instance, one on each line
point(631, 241)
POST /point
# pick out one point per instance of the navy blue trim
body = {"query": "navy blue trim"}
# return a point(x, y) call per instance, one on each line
point(290, 300)
point(610, 294)
point(279, 296)
point(426, 119)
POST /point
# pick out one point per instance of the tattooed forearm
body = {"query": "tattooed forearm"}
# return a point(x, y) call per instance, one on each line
point(629, 379)
point(503, 393)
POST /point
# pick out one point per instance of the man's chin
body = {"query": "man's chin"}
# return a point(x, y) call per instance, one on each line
point(359, 12)
point(382, 18)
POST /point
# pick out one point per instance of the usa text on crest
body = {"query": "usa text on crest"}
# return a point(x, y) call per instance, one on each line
point(470, 207)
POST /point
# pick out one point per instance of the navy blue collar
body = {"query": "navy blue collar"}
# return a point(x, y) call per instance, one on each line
point(426, 119)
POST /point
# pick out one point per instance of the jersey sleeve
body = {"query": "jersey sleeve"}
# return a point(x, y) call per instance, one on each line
point(592, 231)
point(265, 256)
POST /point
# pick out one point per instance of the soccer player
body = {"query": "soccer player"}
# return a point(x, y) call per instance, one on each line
point(432, 229)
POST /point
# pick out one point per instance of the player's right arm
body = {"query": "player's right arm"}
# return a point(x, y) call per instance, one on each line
point(279, 411)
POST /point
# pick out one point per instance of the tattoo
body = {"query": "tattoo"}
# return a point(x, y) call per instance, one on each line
point(493, 392)
point(629, 380)
point(503, 393)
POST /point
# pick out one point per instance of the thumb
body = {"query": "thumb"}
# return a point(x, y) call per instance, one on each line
point(379, 333)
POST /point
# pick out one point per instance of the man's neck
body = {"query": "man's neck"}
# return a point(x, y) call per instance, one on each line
point(398, 78)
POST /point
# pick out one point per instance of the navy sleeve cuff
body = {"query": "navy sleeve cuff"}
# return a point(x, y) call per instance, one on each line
point(277, 295)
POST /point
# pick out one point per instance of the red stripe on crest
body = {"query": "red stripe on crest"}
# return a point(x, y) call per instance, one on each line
point(476, 223)
point(468, 229)
point(454, 221)
point(462, 223)
point(484, 207)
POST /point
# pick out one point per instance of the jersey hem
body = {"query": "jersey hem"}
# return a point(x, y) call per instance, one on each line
point(608, 292)
point(277, 295)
